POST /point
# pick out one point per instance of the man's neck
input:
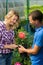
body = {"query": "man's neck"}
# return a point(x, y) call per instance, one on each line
point(39, 25)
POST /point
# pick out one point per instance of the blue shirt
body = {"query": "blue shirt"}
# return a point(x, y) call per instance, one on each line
point(37, 59)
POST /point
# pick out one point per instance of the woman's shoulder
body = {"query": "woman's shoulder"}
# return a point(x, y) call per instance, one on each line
point(1, 23)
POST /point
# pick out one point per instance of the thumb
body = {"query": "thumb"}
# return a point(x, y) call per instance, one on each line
point(19, 46)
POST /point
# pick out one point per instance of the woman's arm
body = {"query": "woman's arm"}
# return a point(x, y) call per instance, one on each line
point(10, 46)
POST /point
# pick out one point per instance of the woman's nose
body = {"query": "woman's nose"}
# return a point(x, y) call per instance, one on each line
point(14, 21)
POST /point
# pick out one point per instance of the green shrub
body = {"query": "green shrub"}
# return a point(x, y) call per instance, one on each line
point(17, 57)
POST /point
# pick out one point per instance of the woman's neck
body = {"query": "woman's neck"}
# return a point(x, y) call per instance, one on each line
point(7, 26)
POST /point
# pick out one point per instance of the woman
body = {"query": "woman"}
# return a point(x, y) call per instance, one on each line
point(7, 36)
point(36, 51)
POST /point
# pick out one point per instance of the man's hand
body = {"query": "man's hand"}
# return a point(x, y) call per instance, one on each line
point(34, 50)
point(21, 49)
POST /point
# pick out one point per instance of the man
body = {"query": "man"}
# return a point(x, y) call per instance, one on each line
point(36, 51)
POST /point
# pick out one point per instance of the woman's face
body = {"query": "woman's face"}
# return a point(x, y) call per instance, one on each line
point(13, 22)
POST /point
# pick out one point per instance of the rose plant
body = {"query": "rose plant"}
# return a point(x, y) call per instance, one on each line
point(17, 63)
point(24, 38)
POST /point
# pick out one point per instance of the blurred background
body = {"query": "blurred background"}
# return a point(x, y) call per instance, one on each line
point(23, 7)
point(19, 5)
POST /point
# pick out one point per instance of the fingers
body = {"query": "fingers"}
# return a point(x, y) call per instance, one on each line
point(19, 46)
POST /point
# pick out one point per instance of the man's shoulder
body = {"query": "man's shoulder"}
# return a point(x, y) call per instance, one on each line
point(40, 33)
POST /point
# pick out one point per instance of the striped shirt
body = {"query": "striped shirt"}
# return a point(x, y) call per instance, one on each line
point(6, 37)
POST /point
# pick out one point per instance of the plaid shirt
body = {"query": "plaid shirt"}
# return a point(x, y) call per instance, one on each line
point(6, 37)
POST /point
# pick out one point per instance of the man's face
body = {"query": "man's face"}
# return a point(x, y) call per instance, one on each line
point(36, 23)
point(32, 22)
point(13, 23)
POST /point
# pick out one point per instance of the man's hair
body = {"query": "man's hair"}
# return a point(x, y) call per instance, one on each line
point(37, 15)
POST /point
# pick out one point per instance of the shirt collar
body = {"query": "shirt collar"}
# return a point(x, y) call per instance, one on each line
point(38, 29)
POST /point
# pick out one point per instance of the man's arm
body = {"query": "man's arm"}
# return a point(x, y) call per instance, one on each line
point(34, 50)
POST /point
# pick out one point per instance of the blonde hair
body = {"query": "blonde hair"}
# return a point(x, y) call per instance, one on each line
point(10, 14)
point(8, 17)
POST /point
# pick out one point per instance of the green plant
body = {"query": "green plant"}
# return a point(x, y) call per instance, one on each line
point(22, 37)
